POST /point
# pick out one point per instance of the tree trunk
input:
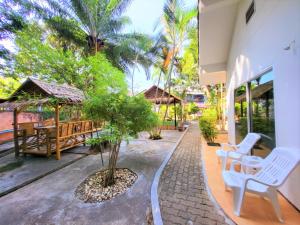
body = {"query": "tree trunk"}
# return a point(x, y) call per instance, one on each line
point(169, 87)
point(168, 79)
point(132, 77)
point(132, 81)
point(158, 82)
point(95, 43)
point(114, 153)
point(155, 131)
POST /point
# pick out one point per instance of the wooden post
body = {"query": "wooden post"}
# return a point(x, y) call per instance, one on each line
point(16, 140)
point(92, 129)
point(175, 114)
point(57, 131)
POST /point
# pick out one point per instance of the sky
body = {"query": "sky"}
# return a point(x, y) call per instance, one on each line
point(144, 14)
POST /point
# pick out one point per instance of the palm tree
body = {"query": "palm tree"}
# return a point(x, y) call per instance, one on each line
point(176, 20)
point(95, 25)
point(143, 48)
point(13, 19)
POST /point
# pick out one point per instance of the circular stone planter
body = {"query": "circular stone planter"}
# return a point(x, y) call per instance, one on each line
point(91, 190)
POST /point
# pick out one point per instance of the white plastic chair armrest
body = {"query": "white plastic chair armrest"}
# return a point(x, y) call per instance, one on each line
point(236, 162)
point(249, 177)
point(257, 166)
point(233, 163)
point(228, 152)
point(223, 145)
point(252, 178)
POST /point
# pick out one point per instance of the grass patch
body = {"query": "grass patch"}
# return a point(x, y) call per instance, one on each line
point(11, 166)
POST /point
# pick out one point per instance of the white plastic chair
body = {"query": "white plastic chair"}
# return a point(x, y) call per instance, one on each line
point(239, 150)
point(274, 171)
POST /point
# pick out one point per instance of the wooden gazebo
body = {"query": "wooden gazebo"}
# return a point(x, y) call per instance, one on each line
point(157, 95)
point(45, 137)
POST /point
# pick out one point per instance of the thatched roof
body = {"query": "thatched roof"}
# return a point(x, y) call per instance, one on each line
point(41, 93)
point(162, 96)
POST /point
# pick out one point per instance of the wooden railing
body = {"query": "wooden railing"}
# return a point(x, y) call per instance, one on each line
point(43, 139)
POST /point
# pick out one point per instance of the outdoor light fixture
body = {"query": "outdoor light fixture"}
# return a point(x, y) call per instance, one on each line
point(290, 45)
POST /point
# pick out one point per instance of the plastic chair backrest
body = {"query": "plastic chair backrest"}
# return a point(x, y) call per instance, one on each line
point(248, 142)
point(278, 165)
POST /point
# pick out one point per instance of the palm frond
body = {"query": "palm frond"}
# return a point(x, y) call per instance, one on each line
point(117, 7)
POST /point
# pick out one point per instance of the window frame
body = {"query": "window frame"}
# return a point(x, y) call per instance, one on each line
point(247, 84)
point(249, 17)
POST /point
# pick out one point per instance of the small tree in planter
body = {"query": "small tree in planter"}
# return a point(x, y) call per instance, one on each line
point(126, 116)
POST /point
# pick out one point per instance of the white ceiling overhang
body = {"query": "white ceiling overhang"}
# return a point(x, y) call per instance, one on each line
point(216, 26)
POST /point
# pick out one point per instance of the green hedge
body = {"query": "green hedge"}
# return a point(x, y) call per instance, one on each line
point(168, 123)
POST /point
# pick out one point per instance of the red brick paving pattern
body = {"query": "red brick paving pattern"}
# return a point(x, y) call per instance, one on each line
point(182, 192)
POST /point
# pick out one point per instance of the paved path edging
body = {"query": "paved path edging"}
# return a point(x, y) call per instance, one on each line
point(210, 195)
point(157, 219)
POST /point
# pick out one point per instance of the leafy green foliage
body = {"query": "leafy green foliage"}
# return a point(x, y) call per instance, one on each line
point(7, 86)
point(188, 64)
point(95, 26)
point(106, 77)
point(208, 128)
point(37, 56)
point(210, 112)
point(126, 116)
point(193, 109)
point(207, 123)
point(129, 115)
point(110, 134)
point(13, 19)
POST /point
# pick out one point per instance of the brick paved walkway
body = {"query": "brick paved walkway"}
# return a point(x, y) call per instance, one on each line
point(182, 193)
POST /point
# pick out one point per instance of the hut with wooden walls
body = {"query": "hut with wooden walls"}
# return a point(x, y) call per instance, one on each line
point(156, 95)
point(45, 137)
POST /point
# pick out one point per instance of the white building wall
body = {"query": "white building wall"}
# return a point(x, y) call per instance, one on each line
point(259, 45)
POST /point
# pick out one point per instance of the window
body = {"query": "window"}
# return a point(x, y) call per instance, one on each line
point(241, 114)
point(260, 116)
point(262, 112)
point(250, 12)
point(200, 98)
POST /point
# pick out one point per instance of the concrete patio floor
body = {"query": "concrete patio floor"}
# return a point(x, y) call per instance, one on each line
point(51, 200)
point(32, 168)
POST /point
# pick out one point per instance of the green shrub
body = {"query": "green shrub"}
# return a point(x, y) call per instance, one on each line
point(210, 113)
point(168, 123)
point(208, 128)
point(193, 109)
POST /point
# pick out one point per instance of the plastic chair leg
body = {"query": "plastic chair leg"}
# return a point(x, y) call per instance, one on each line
point(224, 162)
point(274, 200)
point(238, 197)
